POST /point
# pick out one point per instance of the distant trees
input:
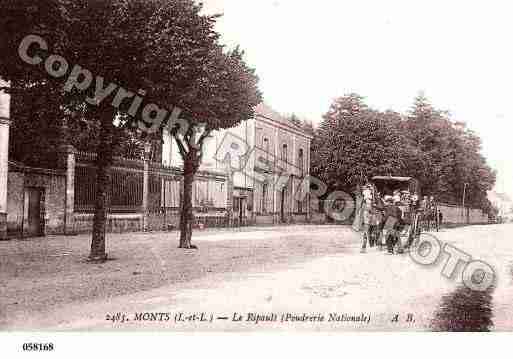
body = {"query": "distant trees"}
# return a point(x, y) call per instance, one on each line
point(354, 143)
point(295, 120)
point(452, 155)
point(302, 123)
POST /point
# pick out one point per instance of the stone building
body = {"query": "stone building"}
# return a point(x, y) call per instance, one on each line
point(273, 187)
point(281, 192)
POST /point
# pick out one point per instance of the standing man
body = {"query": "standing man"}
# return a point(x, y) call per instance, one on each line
point(393, 224)
point(377, 219)
point(357, 222)
point(433, 212)
point(424, 205)
point(366, 213)
point(366, 226)
point(414, 220)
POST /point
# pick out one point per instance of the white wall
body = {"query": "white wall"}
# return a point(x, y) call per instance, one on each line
point(245, 130)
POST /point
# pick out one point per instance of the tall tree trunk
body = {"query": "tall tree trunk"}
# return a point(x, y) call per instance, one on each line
point(187, 216)
point(103, 182)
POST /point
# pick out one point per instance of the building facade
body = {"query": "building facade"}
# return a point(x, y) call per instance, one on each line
point(273, 185)
point(281, 169)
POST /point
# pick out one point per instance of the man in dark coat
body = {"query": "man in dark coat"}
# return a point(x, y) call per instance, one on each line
point(393, 224)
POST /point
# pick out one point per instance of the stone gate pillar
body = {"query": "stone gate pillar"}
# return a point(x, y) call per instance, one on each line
point(229, 196)
point(68, 159)
point(5, 102)
point(146, 186)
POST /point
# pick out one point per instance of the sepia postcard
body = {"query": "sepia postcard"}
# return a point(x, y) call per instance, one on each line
point(244, 166)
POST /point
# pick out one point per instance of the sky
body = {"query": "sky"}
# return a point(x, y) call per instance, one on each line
point(459, 54)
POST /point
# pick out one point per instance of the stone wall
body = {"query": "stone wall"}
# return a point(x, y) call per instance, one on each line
point(15, 203)
point(264, 219)
point(116, 223)
point(477, 216)
point(51, 182)
point(54, 185)
point(300, 218)
point(456, 215)
point(451, 214)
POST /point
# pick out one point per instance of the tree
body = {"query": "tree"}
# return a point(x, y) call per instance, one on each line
point(429, 130)
point(451, 154)
point(354, 143)
point(295, 120)
point(163, 48)
point(36, 97)
point(223, 98)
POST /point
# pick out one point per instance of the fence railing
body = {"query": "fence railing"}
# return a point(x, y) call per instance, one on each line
point(161, 197)
point(125, 191)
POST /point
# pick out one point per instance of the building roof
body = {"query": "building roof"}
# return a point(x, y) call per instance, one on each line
point(265, 111)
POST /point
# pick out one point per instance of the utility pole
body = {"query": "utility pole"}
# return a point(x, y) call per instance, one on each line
point(464, 195)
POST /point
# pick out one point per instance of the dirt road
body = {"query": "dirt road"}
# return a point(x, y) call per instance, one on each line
point(301, 278)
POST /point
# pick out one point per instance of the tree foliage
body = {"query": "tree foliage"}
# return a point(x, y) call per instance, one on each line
point(354, 143)
point(165, 51)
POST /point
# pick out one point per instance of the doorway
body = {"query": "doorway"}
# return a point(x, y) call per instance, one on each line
point(35, 212)
point(282, 205)
point(239, 209)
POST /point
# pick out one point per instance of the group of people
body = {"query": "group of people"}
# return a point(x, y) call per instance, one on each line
point(386, 219)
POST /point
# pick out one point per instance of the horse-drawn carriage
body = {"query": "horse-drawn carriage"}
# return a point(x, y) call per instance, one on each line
point(403, 192)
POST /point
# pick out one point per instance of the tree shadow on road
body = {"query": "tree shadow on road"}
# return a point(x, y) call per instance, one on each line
point(465, 310)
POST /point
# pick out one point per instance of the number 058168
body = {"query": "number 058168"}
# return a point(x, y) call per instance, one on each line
point(38, 347)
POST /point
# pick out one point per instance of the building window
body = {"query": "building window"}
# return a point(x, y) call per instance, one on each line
point(284, 153)
point(170, 193)
point(301, 162)
point(236, 204)
point(300, 207)
point(209, 193)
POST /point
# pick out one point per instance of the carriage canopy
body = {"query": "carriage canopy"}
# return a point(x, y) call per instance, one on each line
point(386, 185)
